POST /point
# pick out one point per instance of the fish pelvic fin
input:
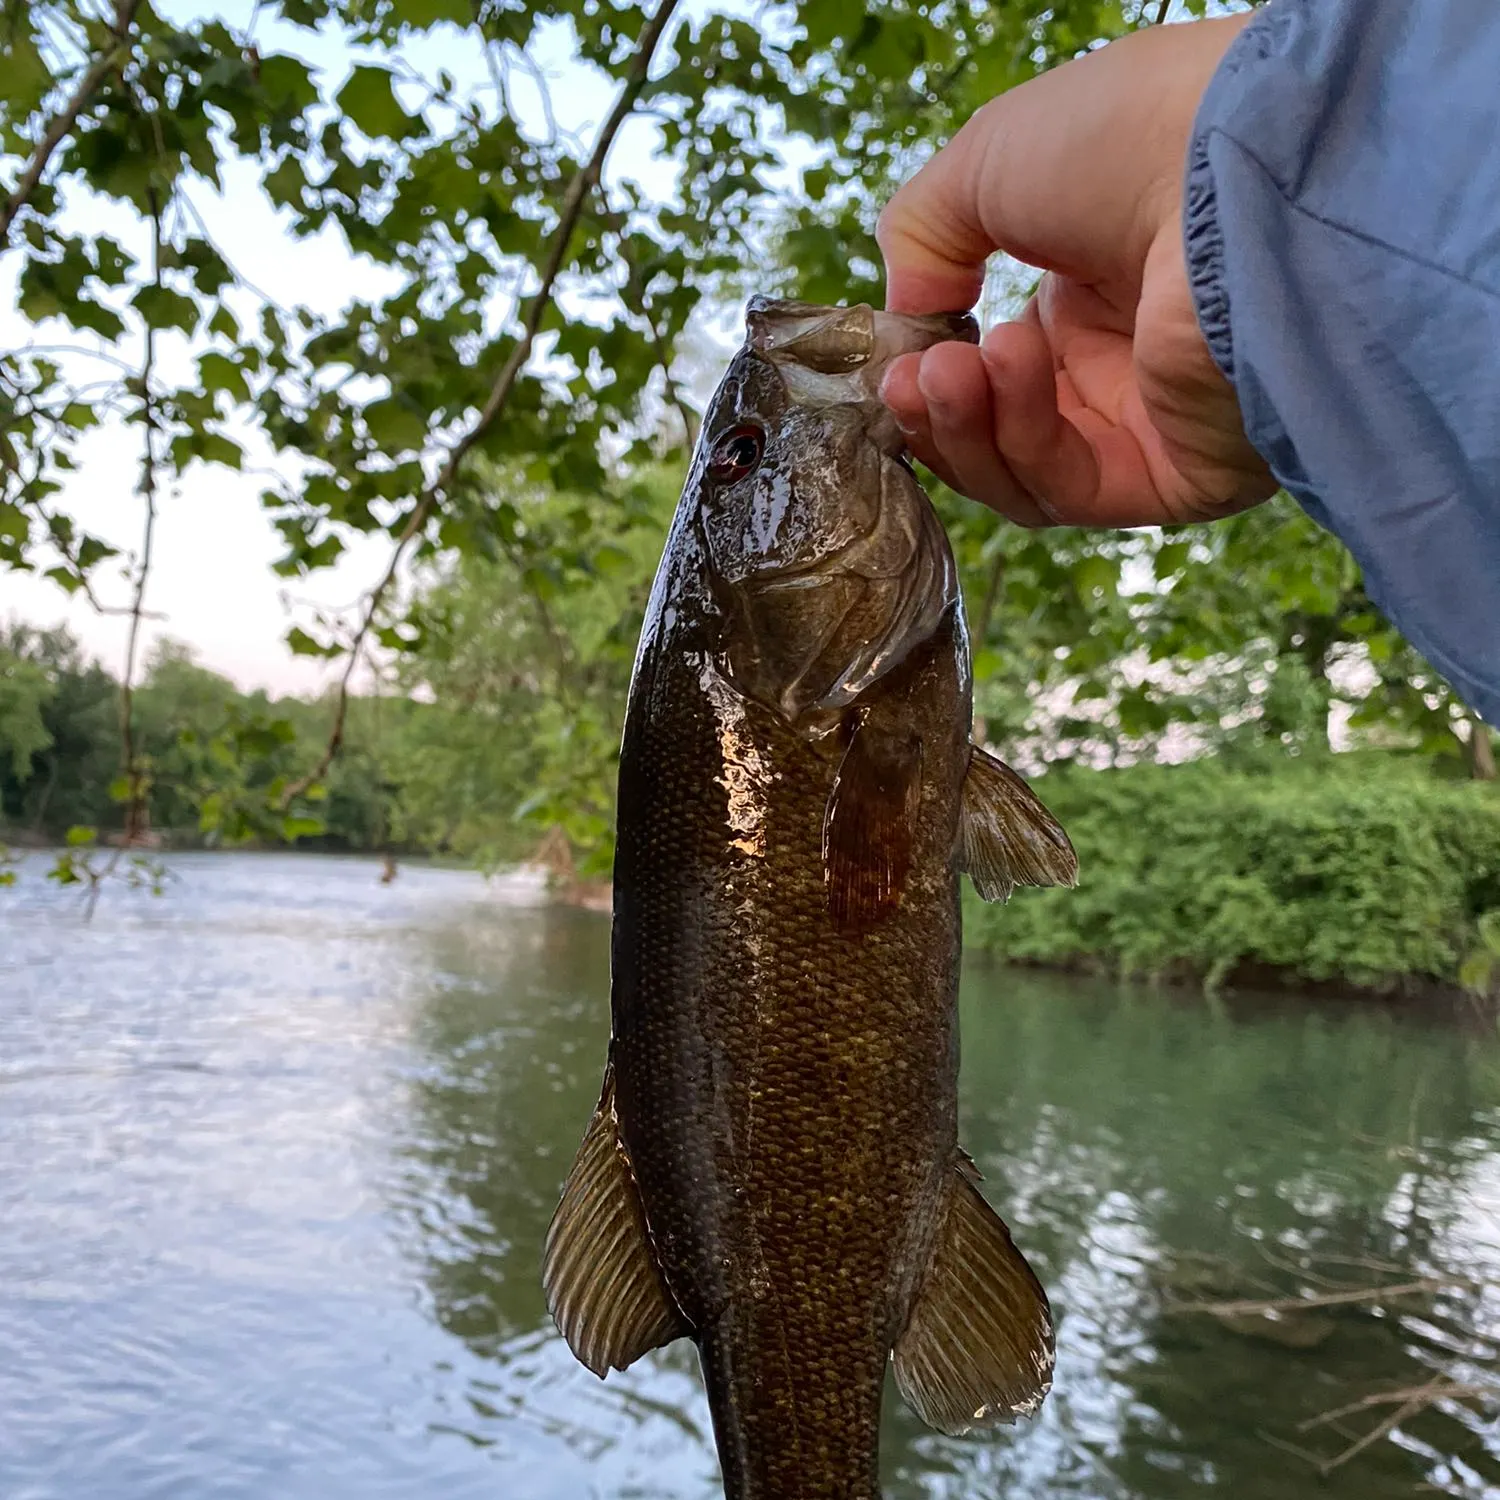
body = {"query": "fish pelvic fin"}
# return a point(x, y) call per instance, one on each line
point(978, 1347)
point(604, 1289)
point(1006, 837)
point(868, 826)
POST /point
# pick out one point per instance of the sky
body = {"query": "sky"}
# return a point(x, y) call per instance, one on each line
point(211, 583)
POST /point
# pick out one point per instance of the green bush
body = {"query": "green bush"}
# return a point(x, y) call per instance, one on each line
point(1359, 869)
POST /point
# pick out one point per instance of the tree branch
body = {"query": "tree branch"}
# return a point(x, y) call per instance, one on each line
point(669, 386)
point(135, 807)
point(583, 182)
point(62, 123)
point(1480, 750)
point(990, 600)
point(670, 390)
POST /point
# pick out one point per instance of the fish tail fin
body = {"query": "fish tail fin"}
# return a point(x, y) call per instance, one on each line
point(978, 1347)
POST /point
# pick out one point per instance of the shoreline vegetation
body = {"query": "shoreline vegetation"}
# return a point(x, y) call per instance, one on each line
point(524, 472)
point(1360, 875)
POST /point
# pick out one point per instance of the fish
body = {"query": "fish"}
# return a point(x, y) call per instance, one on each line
point(773, 1169)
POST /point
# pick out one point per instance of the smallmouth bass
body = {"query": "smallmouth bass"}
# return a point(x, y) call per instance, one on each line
point(773, 1169)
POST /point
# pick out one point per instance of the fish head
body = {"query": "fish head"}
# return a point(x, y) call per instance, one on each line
point(825, 556)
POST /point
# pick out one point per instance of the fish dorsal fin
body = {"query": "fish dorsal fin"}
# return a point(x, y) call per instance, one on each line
point(868, 826)
point(603, 1287)
point(1006, 837)
point(978, 1347)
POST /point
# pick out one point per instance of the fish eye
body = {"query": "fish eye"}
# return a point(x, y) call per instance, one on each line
point(736, 454)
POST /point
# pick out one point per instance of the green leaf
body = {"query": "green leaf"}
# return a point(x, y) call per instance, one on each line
point(396, 425)
point(302, 644)
point(284, 184)
point(79, 837)
point(224, 323)
point(161, 307)
point(420, 14)
point(288, 82)
point(215, 448)
point(1096, 575)
point(1477, 972)
point(1171, 558)
point(1489, 931)
point(217, 372)
point(369, 100)
point(211, 272)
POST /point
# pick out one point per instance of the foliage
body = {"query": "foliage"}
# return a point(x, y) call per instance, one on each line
point(501, 395)
point(1107, 648)
point(524, 281)
point(211, 753)
point(534, 647)
point(24, 693)
point(63, 778)
point(441, 181)
point(455, 777)
point(1361, 868)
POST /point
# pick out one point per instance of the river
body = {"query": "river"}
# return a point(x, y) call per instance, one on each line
point(278, 1147)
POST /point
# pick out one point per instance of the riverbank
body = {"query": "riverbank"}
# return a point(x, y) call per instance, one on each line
point(1348, 873)
point(1343, 876)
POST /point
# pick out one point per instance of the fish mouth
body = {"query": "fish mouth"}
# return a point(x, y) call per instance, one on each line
point(848, 345)
point(845, 567)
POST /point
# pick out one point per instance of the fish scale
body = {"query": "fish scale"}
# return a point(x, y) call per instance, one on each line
point(774, 1170)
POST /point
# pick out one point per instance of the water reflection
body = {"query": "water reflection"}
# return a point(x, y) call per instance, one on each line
point(1147, 1149)
point(510, 1053)
point(277, 1153)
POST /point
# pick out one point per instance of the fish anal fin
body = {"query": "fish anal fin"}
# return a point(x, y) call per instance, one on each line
point(604, 1289)
point(869, 824)
point(977, 1349)
point(1006, 837)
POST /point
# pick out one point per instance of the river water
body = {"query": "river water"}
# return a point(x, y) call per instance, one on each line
point(277, 1150)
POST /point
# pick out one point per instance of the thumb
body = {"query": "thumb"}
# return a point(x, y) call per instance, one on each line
point(1073, 172)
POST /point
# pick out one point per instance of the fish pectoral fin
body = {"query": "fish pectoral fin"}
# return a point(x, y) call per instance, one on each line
point(1006, 837)
point(978, 1347)
point(604, 1289)
point(868, 825)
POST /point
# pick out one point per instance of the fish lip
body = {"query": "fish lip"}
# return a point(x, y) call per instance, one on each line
point(838, 340)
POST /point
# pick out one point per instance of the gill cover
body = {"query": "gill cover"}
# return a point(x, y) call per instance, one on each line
point(827, 558)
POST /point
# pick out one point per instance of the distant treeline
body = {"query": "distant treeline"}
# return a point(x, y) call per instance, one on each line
point(215, 756)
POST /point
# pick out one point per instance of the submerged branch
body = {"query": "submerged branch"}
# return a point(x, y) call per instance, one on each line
point(571, 211)
point(1253, 1306)
point(1409, 1402)
point(1437, 1389)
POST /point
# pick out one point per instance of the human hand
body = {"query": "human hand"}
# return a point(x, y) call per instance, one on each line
point(1101, 406)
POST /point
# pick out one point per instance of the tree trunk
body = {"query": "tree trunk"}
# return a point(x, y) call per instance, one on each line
point(40, 818)
point(1481, 750)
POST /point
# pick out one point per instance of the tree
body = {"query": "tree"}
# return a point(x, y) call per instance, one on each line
point(24, 693)
point(535, 300)
point(63, 779)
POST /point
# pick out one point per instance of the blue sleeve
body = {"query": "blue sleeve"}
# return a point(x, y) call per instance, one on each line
point(1342, 228)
